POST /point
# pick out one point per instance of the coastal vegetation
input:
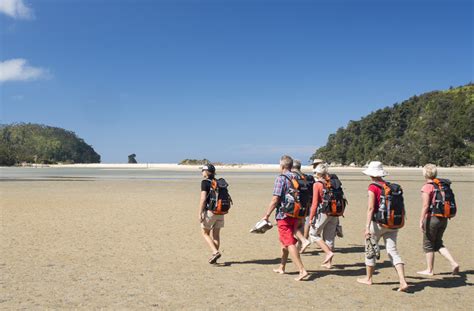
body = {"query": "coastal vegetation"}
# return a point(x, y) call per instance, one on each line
point(194, 162)
point(36, 143)
point(435, 127)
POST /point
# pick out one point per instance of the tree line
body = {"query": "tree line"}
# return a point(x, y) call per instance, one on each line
point(436, 127)
point(36, 143)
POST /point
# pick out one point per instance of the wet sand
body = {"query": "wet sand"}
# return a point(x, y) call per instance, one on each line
point(115, 244)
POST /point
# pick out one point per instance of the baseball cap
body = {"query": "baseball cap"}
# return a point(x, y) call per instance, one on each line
point(208, 167)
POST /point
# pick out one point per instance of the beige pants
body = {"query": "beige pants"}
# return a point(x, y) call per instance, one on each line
point(324, 229)
point(390, 239)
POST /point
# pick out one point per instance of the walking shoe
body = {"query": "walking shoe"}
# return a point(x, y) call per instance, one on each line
point(214, 258)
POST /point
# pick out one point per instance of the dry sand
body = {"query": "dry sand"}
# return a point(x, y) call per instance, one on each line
point(131, 244)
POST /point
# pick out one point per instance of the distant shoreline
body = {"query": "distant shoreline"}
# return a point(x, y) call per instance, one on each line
point(233, 167)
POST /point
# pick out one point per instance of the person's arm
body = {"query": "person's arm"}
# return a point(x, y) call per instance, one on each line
point(425, 197)
point(314, 204)
point(273, 204)
point(370, 213)
point(202, 205)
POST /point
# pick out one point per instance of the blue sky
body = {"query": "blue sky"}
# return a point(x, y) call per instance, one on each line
point(233, 81)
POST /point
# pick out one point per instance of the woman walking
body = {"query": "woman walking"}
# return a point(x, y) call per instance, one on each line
point(376, 230)
point(433, 223)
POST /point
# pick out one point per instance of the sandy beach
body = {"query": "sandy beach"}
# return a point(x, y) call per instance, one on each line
point(73, 242)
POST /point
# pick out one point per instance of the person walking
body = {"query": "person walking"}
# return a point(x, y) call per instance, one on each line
point(211, 223)
point(376, 230)
point(433, 222)
point(287, 225)
point(306, 194)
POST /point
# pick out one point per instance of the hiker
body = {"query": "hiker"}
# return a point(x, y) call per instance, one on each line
point(327, 194)
point(214, 204)
point(305, 185)
point(380, 224)
point(436, 194)
point(283, 201)
point(339, 232)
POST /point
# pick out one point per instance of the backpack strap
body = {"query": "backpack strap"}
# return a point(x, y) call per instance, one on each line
point(213, 183)
point(292, 185)
point(377, 184)
point(300, 175)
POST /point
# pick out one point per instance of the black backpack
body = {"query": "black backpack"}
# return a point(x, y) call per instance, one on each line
point(220, 200)
point(443, 204)
point(305, 190)
point(333, 201)
point(310, 179)
point(292, 205)
point(391, 212)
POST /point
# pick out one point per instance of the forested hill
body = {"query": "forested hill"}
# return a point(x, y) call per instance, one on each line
point(435, 127)
point(34, 143)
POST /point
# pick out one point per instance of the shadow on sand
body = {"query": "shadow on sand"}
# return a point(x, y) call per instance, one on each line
point(447, 281)
point(358, 269)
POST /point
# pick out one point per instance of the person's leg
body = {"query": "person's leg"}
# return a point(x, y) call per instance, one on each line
point(401, 276)
point(390, 239)
point(370, 263)
point(303, 242)
point(429, 264)
point(216, 237)
point(368, 279)
point(295, 256)
point(428, 245)
point(284, 259)
point(442, 249)
point(446, 254)
point(306, 228)
point(206, 233)
point(320, 225)
point(329, 237)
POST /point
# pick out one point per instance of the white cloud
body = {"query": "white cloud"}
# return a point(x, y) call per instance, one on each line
point(17, 69)
point(16, 9)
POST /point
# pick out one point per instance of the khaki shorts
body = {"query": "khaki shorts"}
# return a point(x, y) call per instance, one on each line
point(212, 221)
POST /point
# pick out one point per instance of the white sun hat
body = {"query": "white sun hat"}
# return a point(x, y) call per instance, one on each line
point(321, 169)
point(375, 169)
point(317, 161)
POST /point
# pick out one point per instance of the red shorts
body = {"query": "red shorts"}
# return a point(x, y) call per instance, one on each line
point(286, 229)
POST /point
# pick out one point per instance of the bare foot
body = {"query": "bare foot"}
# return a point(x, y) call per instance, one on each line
point(365, 281)
point(279, 271)
point(426, 272)
point(328, 258)
point(403, 288)
point(302, 275)
point(327, 266)
point(304, 246)
point(455, 270)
